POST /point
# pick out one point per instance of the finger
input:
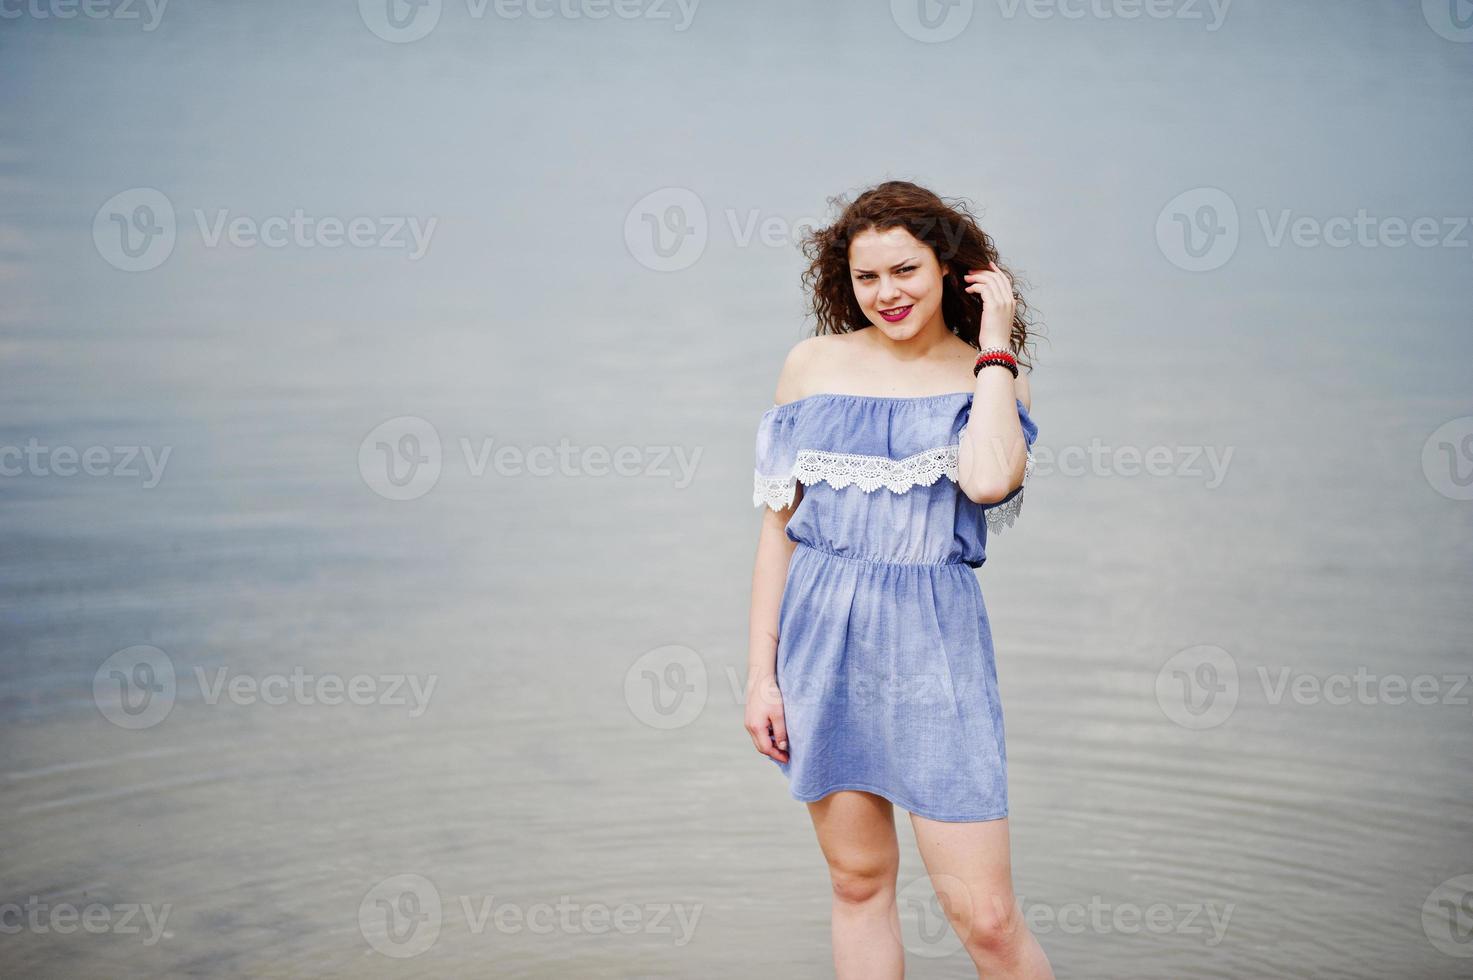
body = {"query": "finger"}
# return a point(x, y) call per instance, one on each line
point(763, 742)
point(1005, 277)
point(1002, 287)
point(1004, 300)
point(996, 281)
point(779, 737)
point(763, 739)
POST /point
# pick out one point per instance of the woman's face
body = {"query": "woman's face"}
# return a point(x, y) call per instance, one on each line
point(897, 281)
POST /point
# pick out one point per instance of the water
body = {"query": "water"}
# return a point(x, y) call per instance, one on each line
point(1293, 837)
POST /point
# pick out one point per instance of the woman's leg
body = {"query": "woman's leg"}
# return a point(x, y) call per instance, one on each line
point(856, 832)
point(971, 870)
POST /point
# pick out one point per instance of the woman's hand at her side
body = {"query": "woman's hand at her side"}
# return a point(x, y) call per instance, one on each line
point(765, 722)
point(998, 305)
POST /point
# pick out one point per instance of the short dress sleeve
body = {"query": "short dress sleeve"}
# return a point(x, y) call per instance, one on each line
point(774, 479)
point(1003, 513)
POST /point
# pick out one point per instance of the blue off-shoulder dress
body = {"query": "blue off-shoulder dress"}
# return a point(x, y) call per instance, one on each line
point(884, 657)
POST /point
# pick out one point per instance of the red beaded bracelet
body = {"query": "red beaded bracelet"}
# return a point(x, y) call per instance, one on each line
point(995, 355)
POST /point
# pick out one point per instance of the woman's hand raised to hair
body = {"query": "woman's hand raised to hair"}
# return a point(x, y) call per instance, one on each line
point(998, 305)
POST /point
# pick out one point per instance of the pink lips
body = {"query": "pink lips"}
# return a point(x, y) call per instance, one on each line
point(897, 316)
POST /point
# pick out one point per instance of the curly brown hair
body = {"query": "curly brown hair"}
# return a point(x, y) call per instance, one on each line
point(948, 229)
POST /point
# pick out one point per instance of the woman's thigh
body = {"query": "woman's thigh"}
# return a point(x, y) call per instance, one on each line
point(971, 867)
point(856, 832)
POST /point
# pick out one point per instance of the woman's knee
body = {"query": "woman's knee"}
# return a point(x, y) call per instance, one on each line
point(993, 925)
point(856, 883)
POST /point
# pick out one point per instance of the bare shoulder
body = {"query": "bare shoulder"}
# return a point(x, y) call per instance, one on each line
point(799, 368)
point(1025, 394)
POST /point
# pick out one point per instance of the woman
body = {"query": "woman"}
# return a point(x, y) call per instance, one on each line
point(899, 435)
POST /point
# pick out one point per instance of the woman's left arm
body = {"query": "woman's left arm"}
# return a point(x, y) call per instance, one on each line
point(993, 451)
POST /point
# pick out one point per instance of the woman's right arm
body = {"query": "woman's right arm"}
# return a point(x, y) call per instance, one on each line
point(764, 713)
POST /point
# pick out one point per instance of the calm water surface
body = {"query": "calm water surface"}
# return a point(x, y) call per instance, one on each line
point(546, 738)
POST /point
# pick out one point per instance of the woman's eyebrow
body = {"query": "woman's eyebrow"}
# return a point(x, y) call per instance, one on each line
point(895, 266)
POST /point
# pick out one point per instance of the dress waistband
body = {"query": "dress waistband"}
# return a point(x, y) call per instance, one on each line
point(881, 561)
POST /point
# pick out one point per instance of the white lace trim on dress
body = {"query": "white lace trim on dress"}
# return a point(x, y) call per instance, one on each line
point(870, 473)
